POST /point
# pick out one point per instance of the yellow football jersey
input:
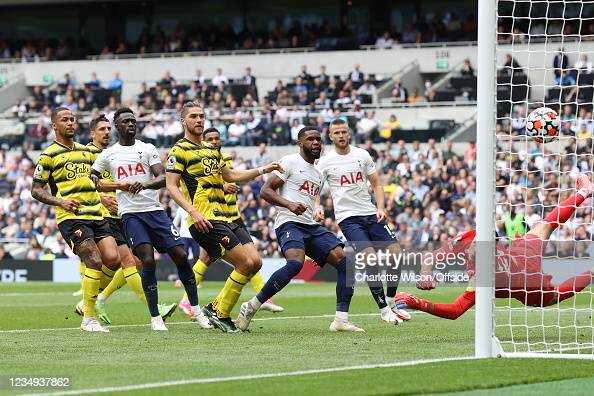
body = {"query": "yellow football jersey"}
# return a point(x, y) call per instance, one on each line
point(67, 171)
point(201, 178)
point(231, 199)
point(104, 177)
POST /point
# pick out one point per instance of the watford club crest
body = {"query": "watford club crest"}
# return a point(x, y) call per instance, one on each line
point(226, 240)
point(78, 233)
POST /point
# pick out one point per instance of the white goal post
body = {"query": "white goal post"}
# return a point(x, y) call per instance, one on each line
point(519, 42)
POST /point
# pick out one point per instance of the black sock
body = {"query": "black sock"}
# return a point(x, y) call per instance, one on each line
point(377, 292)
point(149, 285)
point(344, 292)
point(279, 280)
point(186, 276)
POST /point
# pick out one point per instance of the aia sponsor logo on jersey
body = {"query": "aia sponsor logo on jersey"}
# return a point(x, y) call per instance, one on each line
point(310, 188)
point(351, 178)
point(129, 170)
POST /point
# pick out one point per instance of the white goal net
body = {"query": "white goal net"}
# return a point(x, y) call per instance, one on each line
point(544, 53)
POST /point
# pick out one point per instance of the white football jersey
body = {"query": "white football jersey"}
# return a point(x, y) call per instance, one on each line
point(131, 164)
point(302, 183)
point(347, 177)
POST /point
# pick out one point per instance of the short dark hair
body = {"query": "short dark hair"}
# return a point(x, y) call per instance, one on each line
point(337, 121)
point(189, 105)
point(306, 129)
point(58, 110)
point(209, 130)
point(95, 121)
point(120, 111)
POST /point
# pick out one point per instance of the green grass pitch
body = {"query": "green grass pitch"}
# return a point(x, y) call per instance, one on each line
point(209, 362)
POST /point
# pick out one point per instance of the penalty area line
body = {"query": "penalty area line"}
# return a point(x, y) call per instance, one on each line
point(247, 377)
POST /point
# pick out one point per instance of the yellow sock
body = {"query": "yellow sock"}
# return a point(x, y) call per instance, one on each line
point(199, 269)
point(228, 297)
point(106, 277)
point(257, 282)
point(81, 269)
point(132, 278)
point(116, 283)
point(90, 286)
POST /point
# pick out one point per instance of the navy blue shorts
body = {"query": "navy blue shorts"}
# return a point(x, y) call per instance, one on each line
point(363, 230)
point(315, 239)
point(153, 227)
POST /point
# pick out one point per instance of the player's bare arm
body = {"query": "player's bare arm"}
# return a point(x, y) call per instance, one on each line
point(110, 203)
point(378, 192)
point(40, 193)
point(173, 183)
point(235, 175)
point(231, 188)
point(318, 211)
point(154, 184)
point(270, 194)
point(108, 186)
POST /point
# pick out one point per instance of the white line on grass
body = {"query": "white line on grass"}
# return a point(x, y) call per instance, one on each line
point(152, 385)
point(179, 323)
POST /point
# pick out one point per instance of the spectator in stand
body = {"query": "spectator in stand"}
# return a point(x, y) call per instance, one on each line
point(300, 87)
point(583, 65)
point(220, 78)
point(467, 69)
point(94, 82)
point(171, 131)
point(415, 97)
point(38, 133)
point(565, 79)
point(278, 132)
point(19, 110)
point(295, 128)
point(70, 104)
point(238, 133)
point(367, 88)
point(262, 157)
point(384, 41)
point(511, 66)
point(367, 128)
point(248, 78)
point(304, 75)
point(4, 255)
point(389, 127)
point(199, 78)
point(152, 132)
point(255, 128)
point(323, 77)
point(560, 62)
point(399, 92)
point(356, 75)
point(116, 83)
point(167, 78)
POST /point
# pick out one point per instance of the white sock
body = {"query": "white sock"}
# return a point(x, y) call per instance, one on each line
point(391, 302)
point(195, 309)
point(255, 303)
point(156, 319)
point(385, 310)
point(342, 316)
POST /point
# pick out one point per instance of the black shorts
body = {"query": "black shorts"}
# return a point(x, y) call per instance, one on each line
point(76, 231)
point(117, 230)
point(222, 236)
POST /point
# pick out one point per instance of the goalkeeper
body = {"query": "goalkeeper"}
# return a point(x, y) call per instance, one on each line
point(518, 272)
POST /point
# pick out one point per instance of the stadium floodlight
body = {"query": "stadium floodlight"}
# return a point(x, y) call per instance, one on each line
point(529, 54)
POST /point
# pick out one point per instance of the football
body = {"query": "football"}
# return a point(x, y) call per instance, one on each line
point(542, 125)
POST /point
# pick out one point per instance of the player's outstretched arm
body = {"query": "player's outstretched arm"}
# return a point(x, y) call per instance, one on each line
point(270, 194)
point(156, 183)
point(172, 182)
point(40, 193)
point(447, 311)
point(236, 175)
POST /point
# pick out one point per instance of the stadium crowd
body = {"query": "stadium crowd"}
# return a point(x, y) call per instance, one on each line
point(307, 100)
point(430, 195)
point(223, 36)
